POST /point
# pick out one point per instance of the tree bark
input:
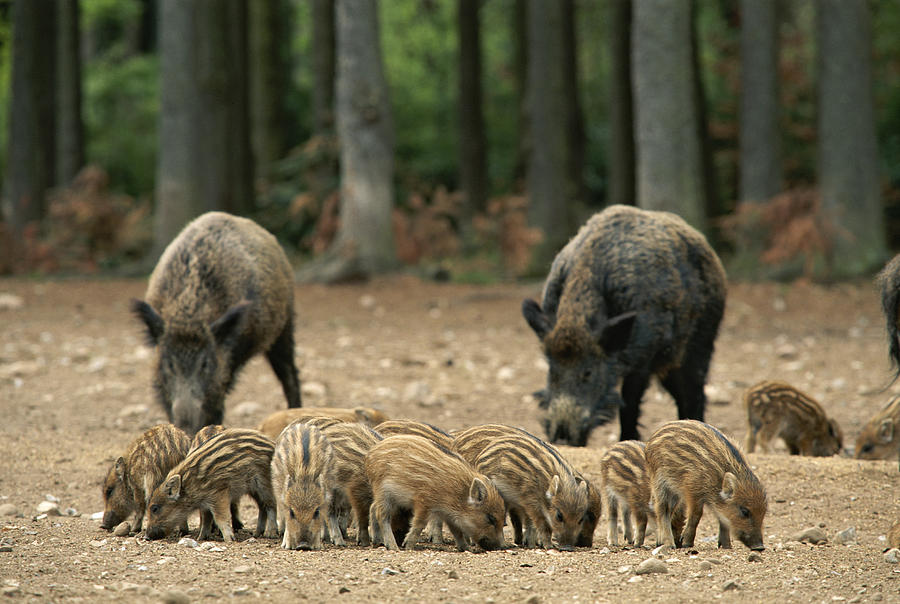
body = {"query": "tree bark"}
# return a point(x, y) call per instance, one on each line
point(575, 144)
point(31, 148)
point(550, 189)
point(204, 151)
point(520, 70)
point(760, 157)
point(472, 162)
point(323, 51)
point(268, 36)
point(848, 151)
point(669, 163)
point(621, 118)
point(70, 127)
point(364, 244)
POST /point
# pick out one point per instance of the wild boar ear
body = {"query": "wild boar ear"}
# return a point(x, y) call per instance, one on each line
point(886, 431)
point(536, 318)
point(363, 415)
point(172, 488)
point(152, 321)
point(616, 332)
point(120, 468)
point(729, 482)
point(477, 492)
point(553, 488)
point(225, 326)
point(542, 397)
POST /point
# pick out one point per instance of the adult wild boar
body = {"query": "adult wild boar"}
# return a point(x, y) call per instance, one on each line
point(221, 293)
point(634, 294)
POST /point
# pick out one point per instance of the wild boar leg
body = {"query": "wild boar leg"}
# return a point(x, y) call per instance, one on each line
point(281, 358)
point(640, 523)
point(515, 519)
point(633, 387)
point(206, 525)
point(458, 536)
point(383, 520)
point(626, 521)
point(362, 520)
point(417, 525)
point(685, 384)
point(334, 529)
point(692, 512)
point(435, 530)
point(724, 536)
point(612, 527)
point(221, 511)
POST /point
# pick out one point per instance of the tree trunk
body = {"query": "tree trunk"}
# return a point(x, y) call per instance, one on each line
point(472, 163)
point(549, 186)
point(31, 148)
point(364, 244)
point(621, 120)
point(268, 37)
point(848, 151)
point(323, 51)
point(669, 162)
point(204, 151)
point(575, 143)
point(70, 127)
point(520, 70)
point(760, 158)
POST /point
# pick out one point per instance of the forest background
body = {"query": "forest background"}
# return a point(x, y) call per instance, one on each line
point(504, 124)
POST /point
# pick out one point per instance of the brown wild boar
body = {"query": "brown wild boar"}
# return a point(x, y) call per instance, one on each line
point(351, 443)
point(221, 293)
point(415, 474)
point(692, 464)
point(276, 422)
point(469, 443)
point(134, 476)
point(228, 465)
point(880, 437)
point(636, 293)
point(203, 435)
point(776, 409)
point(626, 486)
point(411, 427)
point(540, 492)
point(302, 483)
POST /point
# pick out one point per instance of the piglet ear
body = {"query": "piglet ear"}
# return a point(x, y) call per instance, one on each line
point(729, 483)
point(151, 319)
point(172, 487)
point(227, 325)
point(120, 468)
point(477, 492)
point(536, 318)
point(886, 431)
point(553, 488)
point(616, 332)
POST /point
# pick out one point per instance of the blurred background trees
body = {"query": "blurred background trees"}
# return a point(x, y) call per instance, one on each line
point(496, 128)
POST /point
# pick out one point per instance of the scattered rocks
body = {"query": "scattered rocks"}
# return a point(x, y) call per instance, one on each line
point(754, 557)
point(122, 529)
point(535, 599)
point(72, 512)
point(51, 508)
point(243, 590)
point(173, 596)
point(186, 542)
point(892, 556)
point(650, 566)
point(731, 585)
point(705, 565)
point(11, 591)
point(846, 536)
point(389, 571)
point(344, 590)
point(453, 575)
point(659, 549)
point(243, 569)
point(8, 509)
point(98, 543)
point(635, 579)
point(812, 535)
point(5, 548)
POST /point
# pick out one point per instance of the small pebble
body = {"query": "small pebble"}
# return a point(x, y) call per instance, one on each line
point(389, 571)
point(243, 590)
point(635, 579)
point(8, 509)
point(173, 596)
point(651, 565)
point(70, 512)
point(51, 508)
point(730, 585)
point(122, 529)
point(535, 599)
point(846, 536)
point(754, 557)
point(11, 591)
point(892, 556)
point(453, 575)
point(705, 565)
point(344, 590)
point(187, 542)
point(242, 569)
point(812, 535)
point(6, 548)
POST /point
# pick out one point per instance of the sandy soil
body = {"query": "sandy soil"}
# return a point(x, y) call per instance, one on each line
point(75, 390)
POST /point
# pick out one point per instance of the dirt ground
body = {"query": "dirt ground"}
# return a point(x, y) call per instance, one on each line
point(75, 390)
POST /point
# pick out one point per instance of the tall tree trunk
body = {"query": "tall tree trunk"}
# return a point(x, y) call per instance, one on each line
point(760, 157)
point(549, 186)
point(848, 151)
point(712, 206)
point(669, 163)
point(472, 162)
point(575, 136)
point(621, 120)
point(520, 69)
point(31, 148)
point(323, 45)
point(364, 244)
point(268, 37)
point(70, 127)
point(204, 150)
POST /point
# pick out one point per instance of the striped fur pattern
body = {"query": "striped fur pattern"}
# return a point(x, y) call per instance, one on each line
point(693, 464)
point(413, 473)
point(540, 491)
point(132, 478)
point(278, 421)
point(351, 443)
point(776, 409)
point(469, 443)
point(302, 483)
point(880, 437)
point(233, 463)
point(203, 435)
point(411, 427)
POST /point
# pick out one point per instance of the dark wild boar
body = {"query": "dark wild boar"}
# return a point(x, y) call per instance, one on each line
point(634, 294)
point(221, 293)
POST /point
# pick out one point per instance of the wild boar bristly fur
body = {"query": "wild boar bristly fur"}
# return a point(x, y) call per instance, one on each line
point(634, 294)
point(692, 464)
point(230, 464)
point(880, 436)
point(888, 281)
point(393, 427)
point(221, 293)
point(203, 435)
point(133, 477)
